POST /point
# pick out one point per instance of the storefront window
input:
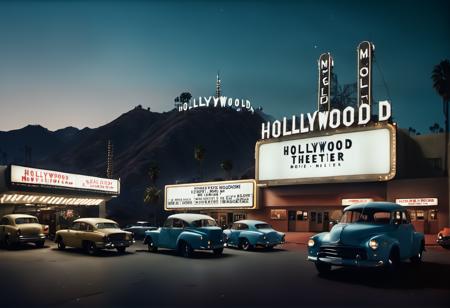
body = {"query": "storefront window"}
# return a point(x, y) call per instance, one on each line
point(433, 215)
point(412, 214)
point(302, 215)
point(420, 215)
point(278, 214)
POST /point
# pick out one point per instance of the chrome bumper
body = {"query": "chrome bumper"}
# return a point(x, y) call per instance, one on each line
point(114, 244)
point(30, 238)
point(347, 262)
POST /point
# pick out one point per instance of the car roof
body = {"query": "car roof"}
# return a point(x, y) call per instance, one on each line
point(250, 222)
point(188, 217)
point(94, 220)
point(386, 206)
point(14, 216)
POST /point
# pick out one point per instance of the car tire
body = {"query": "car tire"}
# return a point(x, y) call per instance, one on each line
point(185, 250)
point(40, 244)
point(121, 249)
point(91, 249)
point(245, 244)
point(394, 260)
point(322, 267)
point(151, 245)
point(218, 251)
point(417, 259)
point(60, 243)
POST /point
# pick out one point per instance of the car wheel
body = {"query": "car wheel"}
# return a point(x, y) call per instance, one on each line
point(394, 260)
point(91, 249)
point(218, 251)
point(61, 245)
point(245, 244)
point(185, 250)
point(322, 267)
point(121, 249)
point(40, 244)
point(270, 247)
point(151, 246)
point(418, 257)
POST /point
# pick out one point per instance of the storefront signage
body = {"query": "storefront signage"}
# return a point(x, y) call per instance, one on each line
point(346, 202)
point(41, 177)
point(417, 201)
point(211, 195)
point(217, 102)
point(325, 65)
point(365, 54)
point(358, 154)
point(324, 120)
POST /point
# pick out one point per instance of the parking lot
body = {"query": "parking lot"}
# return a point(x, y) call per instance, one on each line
point(282, 277)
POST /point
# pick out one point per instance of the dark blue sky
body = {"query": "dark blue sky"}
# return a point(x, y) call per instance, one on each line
point(83, 63)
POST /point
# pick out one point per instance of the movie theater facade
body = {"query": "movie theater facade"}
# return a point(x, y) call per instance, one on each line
point(309, 167)
point(56, 198)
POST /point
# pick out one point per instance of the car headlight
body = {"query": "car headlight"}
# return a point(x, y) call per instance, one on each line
point(440, 236)
point(311, 243)
point(373, 244)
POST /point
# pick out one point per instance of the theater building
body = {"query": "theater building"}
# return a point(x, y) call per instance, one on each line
point(56, 198)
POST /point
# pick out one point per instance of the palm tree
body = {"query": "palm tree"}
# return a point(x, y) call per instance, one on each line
point(152, 193)
point(227, 166)
point(199, 155)
point(153, 172)
point(441, 83)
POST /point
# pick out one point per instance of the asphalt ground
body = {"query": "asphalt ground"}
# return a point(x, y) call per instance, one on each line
point(47, 277)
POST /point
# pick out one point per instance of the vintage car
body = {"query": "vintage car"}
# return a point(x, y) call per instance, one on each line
point(93, 234)
point(247, 234)
point(21, 228)
point(444, 238)
point(186, 233)
point(138, 229)
point(374, 234)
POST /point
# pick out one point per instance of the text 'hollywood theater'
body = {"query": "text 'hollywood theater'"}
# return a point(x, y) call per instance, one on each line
point(308, 167)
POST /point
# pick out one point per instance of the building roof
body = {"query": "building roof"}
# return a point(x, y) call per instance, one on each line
point(190, 217)
point(387, 206)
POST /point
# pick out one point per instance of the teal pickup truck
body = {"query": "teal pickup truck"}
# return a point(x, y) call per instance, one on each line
point(186, 233)
point(374, 234)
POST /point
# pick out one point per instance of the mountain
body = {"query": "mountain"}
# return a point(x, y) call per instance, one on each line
point(141, 138)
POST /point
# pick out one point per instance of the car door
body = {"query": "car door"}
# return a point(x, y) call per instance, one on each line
point(404, 233)
point(70, 234)
point(164, 234)
point(3, 227)
point(80, 235)
point(177, 227)
point(234, 234)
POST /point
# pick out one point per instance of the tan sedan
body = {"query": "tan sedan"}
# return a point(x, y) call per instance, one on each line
point(93, 234)
point(21, 228)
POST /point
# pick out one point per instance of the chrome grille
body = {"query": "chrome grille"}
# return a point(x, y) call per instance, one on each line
point(344, 252)
point(117, 237)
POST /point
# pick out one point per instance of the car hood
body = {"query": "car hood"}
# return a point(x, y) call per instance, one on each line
point(353, 234)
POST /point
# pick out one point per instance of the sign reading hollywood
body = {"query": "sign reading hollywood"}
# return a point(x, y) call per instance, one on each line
point(417, 201)
point(325, 65)
point(307, 123)
point(365, 54)
point(348, 156)
point(220, 195)
point(41, 177)
point(217, 102)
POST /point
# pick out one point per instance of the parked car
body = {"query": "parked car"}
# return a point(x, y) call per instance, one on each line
point(374, 234)
point(138, 229)
point(186, 233)
point(21, 228)
point(93, 234)
point(444, 238)
point(247, 234)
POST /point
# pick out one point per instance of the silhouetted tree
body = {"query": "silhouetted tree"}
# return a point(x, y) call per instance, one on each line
point(227, 166)
point(199, 155)
point(441, 83)
point(152, 193)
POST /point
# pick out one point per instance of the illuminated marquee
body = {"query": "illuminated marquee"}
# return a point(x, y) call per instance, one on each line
point(40, 177)
point(211, 195)
point(348, 155)
point(325, 65)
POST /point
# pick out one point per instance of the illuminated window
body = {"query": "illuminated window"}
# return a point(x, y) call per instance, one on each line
point(302, 215)
point(433, 215)
point(412, 214)
point(278, 214)
point(420, 215)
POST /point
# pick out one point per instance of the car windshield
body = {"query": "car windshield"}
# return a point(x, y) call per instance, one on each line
point(26, 220)
point(106, 225)
point(204, 223)
point(366, 216)
point(263, 226)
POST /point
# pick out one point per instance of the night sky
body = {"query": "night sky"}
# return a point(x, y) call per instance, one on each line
point(83, 63)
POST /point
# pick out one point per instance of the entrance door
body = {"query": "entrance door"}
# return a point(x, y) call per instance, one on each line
point(292, 221)
point(319, 221)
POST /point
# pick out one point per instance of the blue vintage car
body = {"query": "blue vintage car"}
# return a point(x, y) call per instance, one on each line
point(374, 234)
point(246, 234)
point(186, 233)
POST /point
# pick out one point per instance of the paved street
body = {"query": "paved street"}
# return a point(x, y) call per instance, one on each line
point(282, 277)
